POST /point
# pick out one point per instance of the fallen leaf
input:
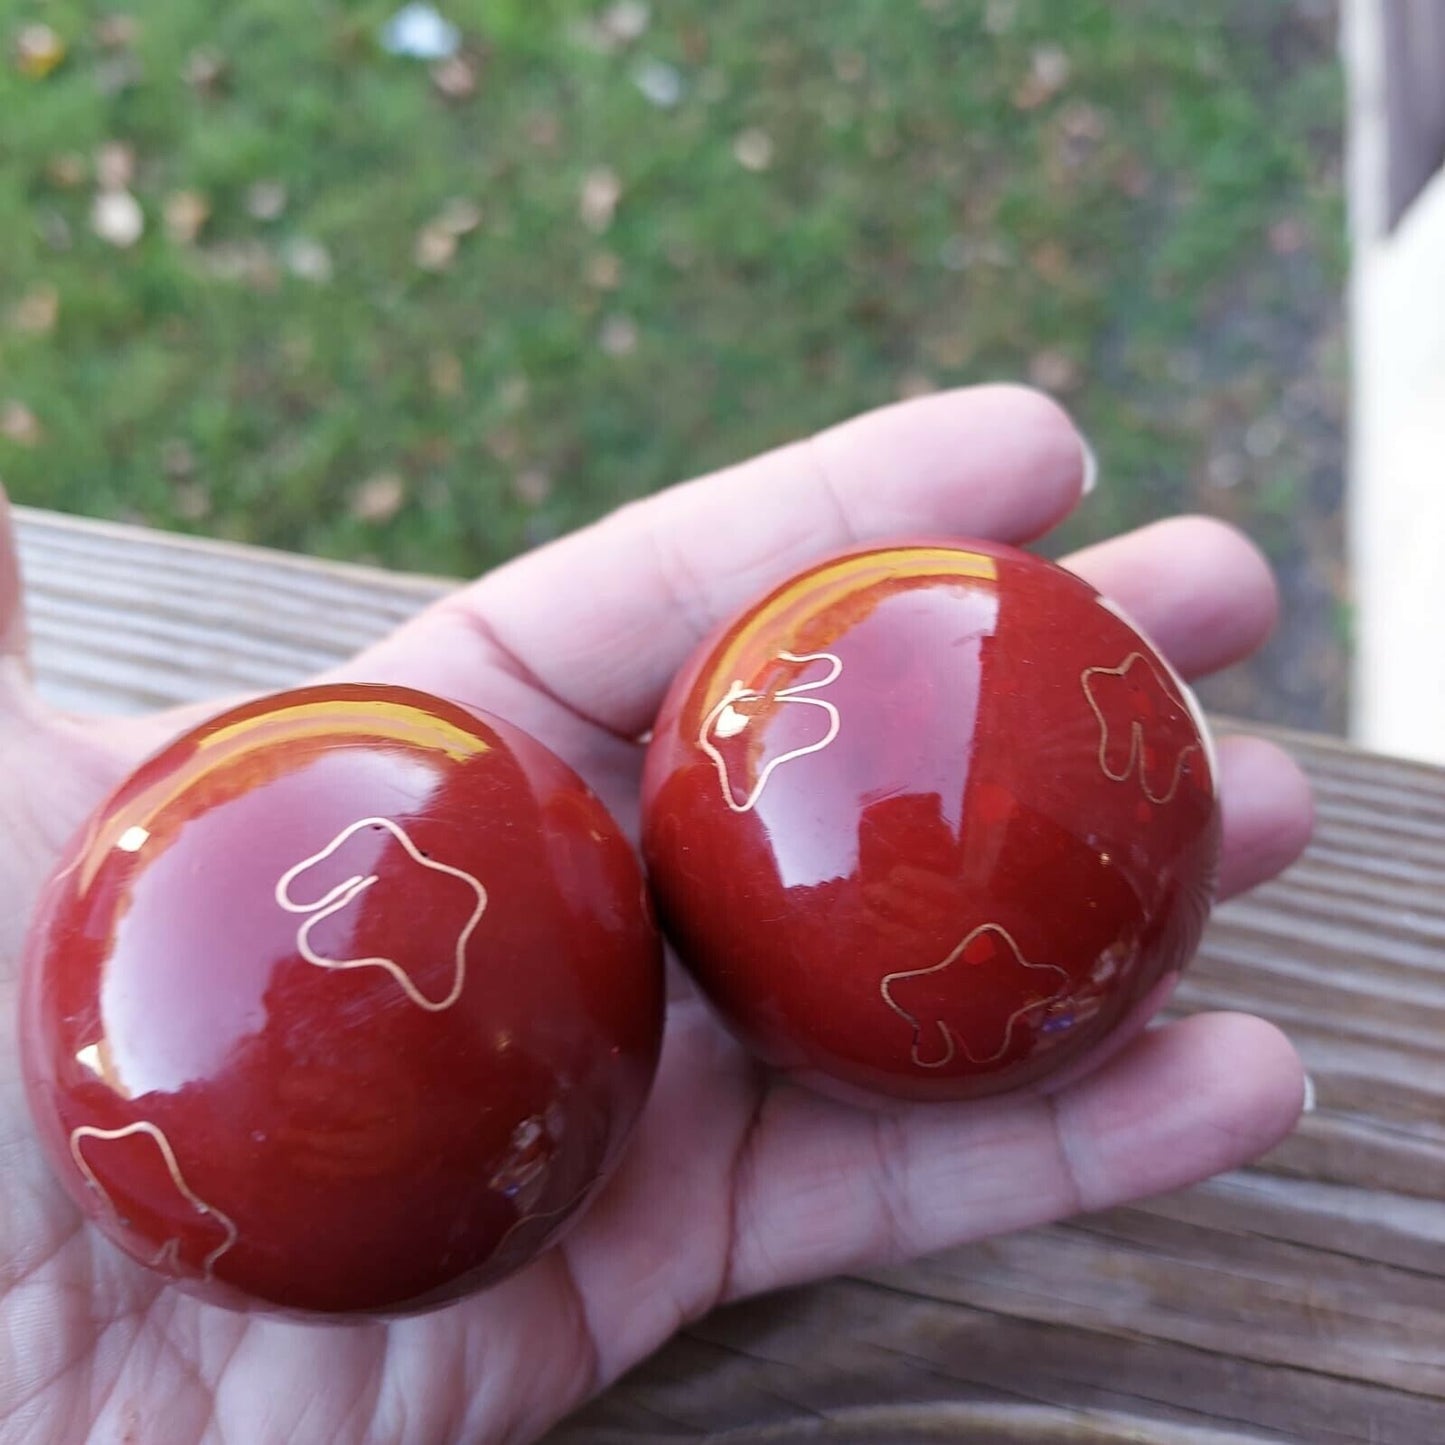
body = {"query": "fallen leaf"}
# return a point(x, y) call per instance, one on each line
point(1074, 140)
point(38, 51)
point(953, 349)
point(114, 165)
point(248, 262)
point(915, 383)
point(753, 149)
point(191, 501)
point(960, 253)
point(116, 217)
point(459, 216)
point(36, 312)
point(419, 32)
point(1083, 122)
point(204, 70)
point(1054, 371)
point(118, 72)
point(67, 170)
point(604, 271)
point(455, 77)
point(696, 44)
point(1050, 260)
point(1288, 236)
point(999, 16)
point(185, 213)
point(601, 192)
point(1263, 438)
point(266, 200)
point(504, 443)
point(1048, 74)
point(19, 424)
point(626, 20)
point(1050, 67)
point(434, 248)
point(53, 228)
point(618, 336)
point(660, 83)
point(116, 31)
point(532, 487)
point(1226, 470)
point(444, 372)
point(306, 258)
point(379, 498)
point(1131, 176)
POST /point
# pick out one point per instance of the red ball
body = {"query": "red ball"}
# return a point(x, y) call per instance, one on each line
point(930, 820)
point(346, 1000)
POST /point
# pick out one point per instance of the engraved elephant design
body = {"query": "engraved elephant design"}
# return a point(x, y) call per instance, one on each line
point(351, 890)
point(1134, 705)
point(162, 1173)
point(964, 1023)
point(740, 707)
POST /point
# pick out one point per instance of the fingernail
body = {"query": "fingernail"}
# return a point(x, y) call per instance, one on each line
point(1091, 467)
point(1309, 1103)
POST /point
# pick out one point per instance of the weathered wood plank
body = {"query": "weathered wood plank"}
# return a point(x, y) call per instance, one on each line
point(1301, 1300)
point(122, 619)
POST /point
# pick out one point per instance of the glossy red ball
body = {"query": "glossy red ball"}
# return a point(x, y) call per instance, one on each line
point(346, 1000)
point(930, 820)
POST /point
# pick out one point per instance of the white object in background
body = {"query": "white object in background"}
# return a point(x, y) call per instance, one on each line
point(1397, 463)
point(419, 32)
point(1397, 521)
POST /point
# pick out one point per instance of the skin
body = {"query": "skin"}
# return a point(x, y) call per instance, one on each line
point(737, 1181)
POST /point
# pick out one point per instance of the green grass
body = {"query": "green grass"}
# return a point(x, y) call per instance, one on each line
point(920, 222)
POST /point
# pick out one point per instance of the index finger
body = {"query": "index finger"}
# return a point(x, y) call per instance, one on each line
point(603, 618)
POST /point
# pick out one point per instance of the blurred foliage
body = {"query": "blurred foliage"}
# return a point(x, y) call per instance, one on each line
point(699, 230)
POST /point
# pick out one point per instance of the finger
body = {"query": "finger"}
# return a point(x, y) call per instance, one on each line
point(1200, 589)
point(824, 1187)
point(603, 618)
point(1268, 813)
point(12, 610)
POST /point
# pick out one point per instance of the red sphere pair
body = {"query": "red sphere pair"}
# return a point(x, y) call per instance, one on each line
point(349, 999)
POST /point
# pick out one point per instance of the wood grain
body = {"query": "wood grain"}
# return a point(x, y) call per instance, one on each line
point(1301, 1300)
point(122, 619)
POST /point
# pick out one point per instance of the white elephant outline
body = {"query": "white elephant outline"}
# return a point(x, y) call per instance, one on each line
point(169, 1252)
point(954, 1044)
point(737, 691)
point(1136, 731)
point(352, 888)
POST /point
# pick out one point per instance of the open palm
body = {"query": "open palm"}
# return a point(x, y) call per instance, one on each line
point(736, 1181)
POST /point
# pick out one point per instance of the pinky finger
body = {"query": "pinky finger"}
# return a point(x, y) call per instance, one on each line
point(825, 1187)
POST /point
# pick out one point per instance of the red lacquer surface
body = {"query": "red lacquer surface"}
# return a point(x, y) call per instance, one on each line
point(930, 820)
point(345, 1001)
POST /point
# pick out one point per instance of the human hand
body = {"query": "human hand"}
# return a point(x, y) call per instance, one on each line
point(736, 1181)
